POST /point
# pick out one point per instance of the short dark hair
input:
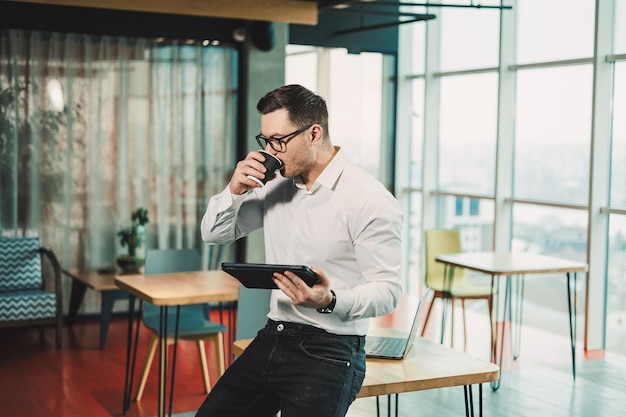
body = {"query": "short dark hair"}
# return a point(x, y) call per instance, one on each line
point(304, 106)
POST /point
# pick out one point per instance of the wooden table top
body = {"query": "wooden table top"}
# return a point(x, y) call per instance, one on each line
point(428, 365)
point(511, 263)
point(93, 279)
point(181, 288)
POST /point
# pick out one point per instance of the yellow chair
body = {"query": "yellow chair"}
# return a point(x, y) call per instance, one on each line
point(444, 241)
point(194, 321)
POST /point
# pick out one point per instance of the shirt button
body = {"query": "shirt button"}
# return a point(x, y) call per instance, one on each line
point(280, 327)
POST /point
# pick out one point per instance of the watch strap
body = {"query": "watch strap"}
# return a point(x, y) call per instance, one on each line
point(330, 307)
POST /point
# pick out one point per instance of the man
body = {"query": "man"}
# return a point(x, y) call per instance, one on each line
point(323, 212)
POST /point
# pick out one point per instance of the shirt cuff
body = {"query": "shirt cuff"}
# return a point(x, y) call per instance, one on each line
point(236, 199)
point(345, 299)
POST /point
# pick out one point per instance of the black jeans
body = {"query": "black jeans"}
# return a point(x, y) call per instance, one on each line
point(300, 370)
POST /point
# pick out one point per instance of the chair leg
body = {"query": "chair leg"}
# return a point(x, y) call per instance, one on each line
point(430, 307)
point(203, 365)
point(491, 326)
point(452, 301)
point(219, 353)
point(154, 341)
point(464, 326)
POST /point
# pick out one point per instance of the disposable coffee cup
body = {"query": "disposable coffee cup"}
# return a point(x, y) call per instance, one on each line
point(271, 164)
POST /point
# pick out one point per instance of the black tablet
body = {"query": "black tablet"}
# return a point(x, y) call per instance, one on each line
point(260, 275)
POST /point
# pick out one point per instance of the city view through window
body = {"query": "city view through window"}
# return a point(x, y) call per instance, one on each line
point(546, 176)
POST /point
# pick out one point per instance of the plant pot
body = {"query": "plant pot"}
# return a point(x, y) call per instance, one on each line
point(129, 264)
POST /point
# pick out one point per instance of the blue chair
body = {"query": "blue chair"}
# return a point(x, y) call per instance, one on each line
point(194, 322)
point(253, 305)
point(30, 285)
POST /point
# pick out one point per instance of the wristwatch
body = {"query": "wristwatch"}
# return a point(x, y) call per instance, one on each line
point(330, 307)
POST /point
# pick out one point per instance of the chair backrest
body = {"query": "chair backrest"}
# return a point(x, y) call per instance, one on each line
point(162, 261)
point(441, 241)
point(252, 308)
point(20, 264)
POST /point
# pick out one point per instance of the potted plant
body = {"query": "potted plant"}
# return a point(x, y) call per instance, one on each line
point(134, 237)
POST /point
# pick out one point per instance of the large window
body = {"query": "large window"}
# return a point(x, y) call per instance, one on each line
point(554, 30)
point(467, 37)
point(552, 134)
point(513, 130)
point(503, 132)
point(467, 133)
point(619, 40)
point(353, 87)
point(414, 202)
point(618, 151)
point(616, 302)
point(616, 268)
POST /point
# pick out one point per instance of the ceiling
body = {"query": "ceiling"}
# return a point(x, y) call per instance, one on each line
point(359, 25)
point(287, 11)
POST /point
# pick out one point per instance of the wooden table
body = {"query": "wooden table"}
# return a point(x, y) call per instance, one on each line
point(104, 283)
point(427, 366)
point(513, 266)
point(172, 289)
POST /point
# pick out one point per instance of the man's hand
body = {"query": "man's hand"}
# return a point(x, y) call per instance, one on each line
point(294, 287)
point(252, 165)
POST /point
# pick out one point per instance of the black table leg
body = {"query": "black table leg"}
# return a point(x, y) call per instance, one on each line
point(77, 293)
point(106, 312)
point(127, 376)
point(162, 359)
point(499, 333)
point(468, 391)
point(174, 358)
point(572, 319)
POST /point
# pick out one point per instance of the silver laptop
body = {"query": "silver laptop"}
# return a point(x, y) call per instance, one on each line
point(395, 347)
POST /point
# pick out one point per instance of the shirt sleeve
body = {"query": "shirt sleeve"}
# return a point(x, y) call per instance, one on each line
point(229, 217)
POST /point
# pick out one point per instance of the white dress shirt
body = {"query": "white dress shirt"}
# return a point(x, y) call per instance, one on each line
point(348, 224)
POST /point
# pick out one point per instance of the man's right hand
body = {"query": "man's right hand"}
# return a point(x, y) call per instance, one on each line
point(252, 165)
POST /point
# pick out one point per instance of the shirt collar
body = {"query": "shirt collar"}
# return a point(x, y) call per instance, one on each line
point(330, 175)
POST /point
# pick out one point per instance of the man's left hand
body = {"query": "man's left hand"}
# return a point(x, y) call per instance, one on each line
point(294, 287)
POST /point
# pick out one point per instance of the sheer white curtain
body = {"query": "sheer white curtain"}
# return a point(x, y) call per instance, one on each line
point(93, 127)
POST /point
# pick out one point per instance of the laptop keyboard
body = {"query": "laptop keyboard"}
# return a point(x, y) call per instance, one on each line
point(387, 345)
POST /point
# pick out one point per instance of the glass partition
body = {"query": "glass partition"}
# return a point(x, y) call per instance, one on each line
point(467, 133)
point(554, 30)
point(616, 285)
point(618, 143)
point(553, 134)
point(551, 231)
point(469, 48)
point(353, 87)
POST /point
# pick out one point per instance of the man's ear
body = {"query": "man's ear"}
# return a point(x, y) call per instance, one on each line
point(316, 133)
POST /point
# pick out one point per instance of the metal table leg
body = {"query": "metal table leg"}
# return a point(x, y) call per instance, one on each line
point(572, 319)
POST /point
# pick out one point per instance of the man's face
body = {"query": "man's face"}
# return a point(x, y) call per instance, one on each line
point(296, 150)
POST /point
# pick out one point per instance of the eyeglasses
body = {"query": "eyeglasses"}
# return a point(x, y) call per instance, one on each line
point(278, 144)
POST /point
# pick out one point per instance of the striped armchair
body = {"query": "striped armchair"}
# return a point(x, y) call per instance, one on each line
point(30, 285)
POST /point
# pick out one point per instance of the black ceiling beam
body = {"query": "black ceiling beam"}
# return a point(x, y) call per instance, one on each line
point(379, 13)
point(333, 4)
point(471, 5)
point(384, 25)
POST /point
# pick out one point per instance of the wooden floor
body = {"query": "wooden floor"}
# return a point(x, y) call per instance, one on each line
point(80, 380)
